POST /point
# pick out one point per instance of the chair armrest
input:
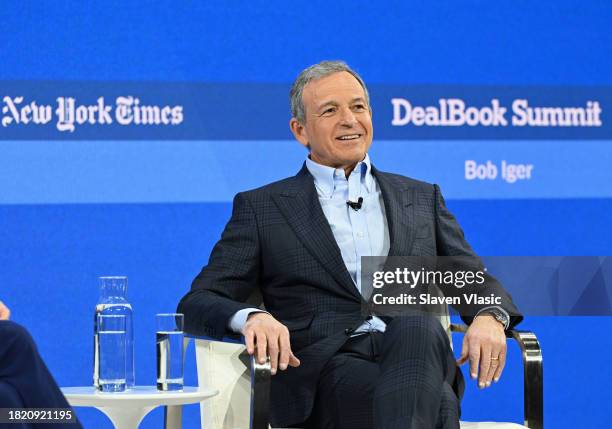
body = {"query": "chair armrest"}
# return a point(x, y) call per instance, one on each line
point(533, 381)
point(260, 378)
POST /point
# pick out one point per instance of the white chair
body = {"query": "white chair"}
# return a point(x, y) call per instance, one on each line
point(244, 385)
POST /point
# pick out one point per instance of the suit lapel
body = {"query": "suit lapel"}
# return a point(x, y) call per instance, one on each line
point(399, 209)
point(300, 206)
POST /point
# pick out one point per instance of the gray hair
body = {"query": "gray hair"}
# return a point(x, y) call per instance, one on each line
point(316, 72)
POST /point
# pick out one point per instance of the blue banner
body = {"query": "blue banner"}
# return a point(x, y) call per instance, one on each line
point(247, 111)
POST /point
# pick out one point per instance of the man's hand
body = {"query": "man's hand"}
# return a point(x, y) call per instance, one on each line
point(264, 333)
point(4, 311)
point(484, 345)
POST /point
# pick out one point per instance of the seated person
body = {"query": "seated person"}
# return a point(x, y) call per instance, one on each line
point(299, 242)
point(25, 381)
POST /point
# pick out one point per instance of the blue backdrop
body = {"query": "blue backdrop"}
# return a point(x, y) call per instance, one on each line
point(150, 200)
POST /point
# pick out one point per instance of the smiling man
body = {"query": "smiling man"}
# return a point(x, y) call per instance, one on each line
point(299, 243)
point(337, 125)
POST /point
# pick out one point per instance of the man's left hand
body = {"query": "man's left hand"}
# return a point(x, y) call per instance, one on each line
point(484, 345)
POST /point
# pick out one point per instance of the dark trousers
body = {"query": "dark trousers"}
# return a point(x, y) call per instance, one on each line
point(404, 378)
point(25, 381)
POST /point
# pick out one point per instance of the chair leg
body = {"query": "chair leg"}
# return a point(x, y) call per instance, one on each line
point(533, 379)
point(260, 394)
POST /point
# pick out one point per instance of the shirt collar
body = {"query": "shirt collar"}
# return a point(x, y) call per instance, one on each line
point(324, 175)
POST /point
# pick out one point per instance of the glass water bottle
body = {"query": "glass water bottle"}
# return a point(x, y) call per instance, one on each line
point(113, 301)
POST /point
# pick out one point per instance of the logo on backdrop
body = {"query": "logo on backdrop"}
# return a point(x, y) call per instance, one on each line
point(68, 114)
point(455, 112)
point(72, 110)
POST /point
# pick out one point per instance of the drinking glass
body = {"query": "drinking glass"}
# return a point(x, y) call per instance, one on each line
point(170, 353)
point(111, 340)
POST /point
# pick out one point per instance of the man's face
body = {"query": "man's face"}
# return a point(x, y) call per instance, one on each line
point(338, 121)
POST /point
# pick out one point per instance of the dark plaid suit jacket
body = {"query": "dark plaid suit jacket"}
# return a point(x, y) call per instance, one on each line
point(278, 242)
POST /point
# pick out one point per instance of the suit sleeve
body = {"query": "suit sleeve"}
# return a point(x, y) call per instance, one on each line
point(231, 276)
point(450, 241)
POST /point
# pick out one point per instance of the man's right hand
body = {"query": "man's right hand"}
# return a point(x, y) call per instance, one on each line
point(267, 336)
point(4, 311)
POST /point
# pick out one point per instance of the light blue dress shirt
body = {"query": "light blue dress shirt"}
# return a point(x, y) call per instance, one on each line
point(358, 233)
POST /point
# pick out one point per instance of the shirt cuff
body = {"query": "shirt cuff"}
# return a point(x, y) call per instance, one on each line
point(238, 320)
point(500, 309)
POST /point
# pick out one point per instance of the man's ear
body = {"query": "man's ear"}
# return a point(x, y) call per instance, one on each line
point(299, 132)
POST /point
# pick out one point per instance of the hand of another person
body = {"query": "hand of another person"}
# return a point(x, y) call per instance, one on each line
point(267, 336)
point(484, 345)
point(5, 313)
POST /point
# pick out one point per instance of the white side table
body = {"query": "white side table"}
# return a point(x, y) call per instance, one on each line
point(127, 409)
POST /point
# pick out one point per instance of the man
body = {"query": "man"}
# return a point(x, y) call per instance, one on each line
point(25, 381)
point(299, 242)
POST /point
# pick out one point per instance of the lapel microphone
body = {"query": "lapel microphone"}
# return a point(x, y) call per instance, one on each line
point(355, 205)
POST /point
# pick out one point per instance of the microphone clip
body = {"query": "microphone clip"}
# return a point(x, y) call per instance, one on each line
point(355, 205)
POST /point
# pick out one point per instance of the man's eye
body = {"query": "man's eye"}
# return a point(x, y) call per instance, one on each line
point(329, 111)
point(359, 107)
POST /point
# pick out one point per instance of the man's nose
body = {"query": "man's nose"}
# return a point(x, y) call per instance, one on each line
point(347, 118)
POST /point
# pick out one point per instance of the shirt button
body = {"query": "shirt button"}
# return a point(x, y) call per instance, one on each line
point(360, 234)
